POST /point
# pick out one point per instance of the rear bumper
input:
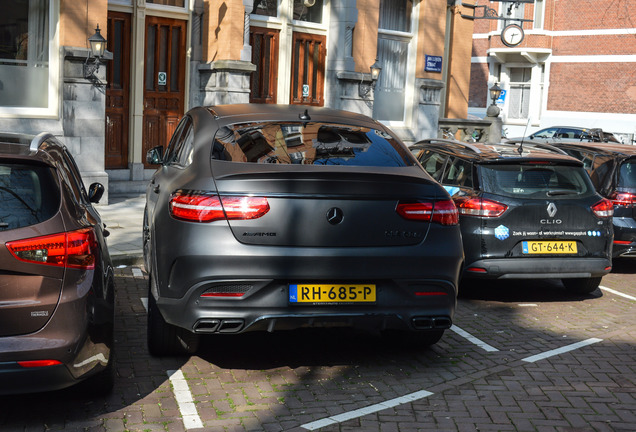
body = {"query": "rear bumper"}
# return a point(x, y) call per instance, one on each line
point(16, 379)
point(538, 268)
point(81, 344)
point(404, 305)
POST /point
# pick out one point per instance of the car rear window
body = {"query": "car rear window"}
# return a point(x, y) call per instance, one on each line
point(627, 174)
point(29, 195)
point(309, 143)
point(535, 181)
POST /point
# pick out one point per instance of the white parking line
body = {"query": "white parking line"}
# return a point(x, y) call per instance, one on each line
point(483, 345)
point(618, 293)
point(137, 272)
point(144, 301)
point(366, 410)
point(188, 410)
point(561, 350)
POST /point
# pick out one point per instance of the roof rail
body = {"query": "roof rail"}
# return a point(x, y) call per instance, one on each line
point(38, 140)
point(547, 146)
point(452, 142)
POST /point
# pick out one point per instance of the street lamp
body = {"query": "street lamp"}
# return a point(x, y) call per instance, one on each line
point(375, 71)
point(365, 89)
point(495, 92)
point(98, 45)
point(493, 110)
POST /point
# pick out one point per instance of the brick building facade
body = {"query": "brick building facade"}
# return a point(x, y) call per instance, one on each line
point(166, 56)
point(576, 64)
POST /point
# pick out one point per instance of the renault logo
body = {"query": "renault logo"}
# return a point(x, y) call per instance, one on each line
point(551, 209)
point(335, 215)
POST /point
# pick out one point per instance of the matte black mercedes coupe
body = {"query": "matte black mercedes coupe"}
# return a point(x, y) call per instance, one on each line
point(278, 217)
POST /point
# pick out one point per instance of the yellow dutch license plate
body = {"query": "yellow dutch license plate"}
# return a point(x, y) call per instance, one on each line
point(549, 247)
point(331, 293)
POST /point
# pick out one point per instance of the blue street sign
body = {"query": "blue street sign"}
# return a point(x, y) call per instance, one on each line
point(433, 63)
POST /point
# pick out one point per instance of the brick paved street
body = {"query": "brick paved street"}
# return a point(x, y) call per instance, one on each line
point(482, 376)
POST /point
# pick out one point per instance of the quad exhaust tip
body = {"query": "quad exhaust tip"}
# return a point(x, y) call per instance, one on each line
point(219, 326)
point(431, 323)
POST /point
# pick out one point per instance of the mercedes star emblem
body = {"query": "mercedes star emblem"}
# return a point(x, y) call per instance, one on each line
point(335, 216)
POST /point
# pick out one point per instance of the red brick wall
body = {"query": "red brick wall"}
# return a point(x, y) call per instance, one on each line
point(592, 14)
point(584, 87)
point(600, 87)
point(594, 45)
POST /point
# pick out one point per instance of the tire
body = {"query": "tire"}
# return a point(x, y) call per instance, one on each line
point(166, 339)
point(582, 285)
point(411, 339)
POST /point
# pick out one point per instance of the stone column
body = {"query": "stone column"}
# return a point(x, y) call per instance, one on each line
point(340, 93)
point(225, 82)
point(496, 123)
point(426, 117)
point(246, 52)
point(84, 116)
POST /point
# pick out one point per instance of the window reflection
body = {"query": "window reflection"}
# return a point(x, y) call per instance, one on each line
point(309, 144)
point(308, 10)
point(24, 53)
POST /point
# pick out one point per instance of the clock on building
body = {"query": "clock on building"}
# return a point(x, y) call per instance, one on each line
point(512, 35)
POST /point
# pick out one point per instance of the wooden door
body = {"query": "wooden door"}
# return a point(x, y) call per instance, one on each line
point(264, 81)
point(164, 80)
point(117, 91)
point(308, 69)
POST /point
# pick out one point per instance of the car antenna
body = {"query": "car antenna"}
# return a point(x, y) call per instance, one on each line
point(525, 131)
point(304, 116)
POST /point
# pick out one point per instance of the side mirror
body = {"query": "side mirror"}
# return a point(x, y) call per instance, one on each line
point(95, 192)
point(155, 155)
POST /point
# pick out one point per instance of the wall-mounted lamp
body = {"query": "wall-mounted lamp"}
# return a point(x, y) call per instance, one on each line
point(98, 45)
point(493, 110)
point(365, 89)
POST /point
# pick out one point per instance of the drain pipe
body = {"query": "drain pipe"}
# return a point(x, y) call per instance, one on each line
point(443, 106)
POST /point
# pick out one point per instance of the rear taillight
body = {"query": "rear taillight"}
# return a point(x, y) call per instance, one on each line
point(603, 209)
point(441, 212)
point(207, 207)
point(623, 199)
point(480, 207)
point(75, 249)
point(622, 242)
point(39, 363)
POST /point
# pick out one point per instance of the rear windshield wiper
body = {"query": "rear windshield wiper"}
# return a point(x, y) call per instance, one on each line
point(561, 192)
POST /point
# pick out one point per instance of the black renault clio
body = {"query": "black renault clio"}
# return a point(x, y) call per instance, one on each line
point(526, 211)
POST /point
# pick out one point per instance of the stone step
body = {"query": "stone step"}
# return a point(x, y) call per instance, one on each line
point(127, 187)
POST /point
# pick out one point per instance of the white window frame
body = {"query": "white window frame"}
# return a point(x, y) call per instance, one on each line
point(538, 88)
point(167, 9)
point(539, 11)
point(409, 85)
point(54, 91)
